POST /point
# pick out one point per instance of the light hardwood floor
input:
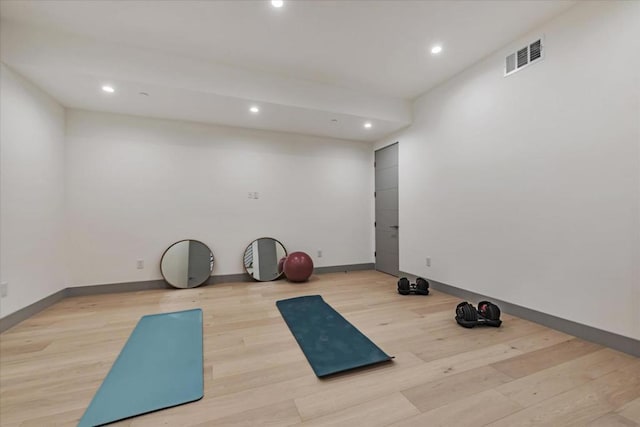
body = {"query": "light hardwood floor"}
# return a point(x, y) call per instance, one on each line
point(255, 374)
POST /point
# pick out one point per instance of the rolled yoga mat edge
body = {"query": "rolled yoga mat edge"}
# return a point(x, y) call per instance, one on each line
point(330, 342)
point(160, 366)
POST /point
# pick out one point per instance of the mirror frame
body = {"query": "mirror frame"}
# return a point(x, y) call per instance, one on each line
point(280, 275)
point(211, 265)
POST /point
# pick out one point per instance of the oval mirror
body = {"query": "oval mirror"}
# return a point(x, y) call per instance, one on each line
point(261, 259)
point(186, 264)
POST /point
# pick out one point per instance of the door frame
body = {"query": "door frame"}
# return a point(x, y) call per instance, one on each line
point(375, 220)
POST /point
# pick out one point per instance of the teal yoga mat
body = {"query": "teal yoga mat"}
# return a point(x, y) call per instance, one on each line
point(330, 343)
point(160, 366)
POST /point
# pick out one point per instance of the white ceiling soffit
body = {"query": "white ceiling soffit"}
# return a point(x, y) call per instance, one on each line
point(73, 68)
point(310, 61)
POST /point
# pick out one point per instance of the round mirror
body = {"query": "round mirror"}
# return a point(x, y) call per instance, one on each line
point(261, 259)
point(187, 264)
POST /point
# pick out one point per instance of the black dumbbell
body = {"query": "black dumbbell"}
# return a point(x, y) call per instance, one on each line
point(487, 314)
point(421, 287)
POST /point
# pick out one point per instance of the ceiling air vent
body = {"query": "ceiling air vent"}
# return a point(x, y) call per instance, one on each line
point(523, 57)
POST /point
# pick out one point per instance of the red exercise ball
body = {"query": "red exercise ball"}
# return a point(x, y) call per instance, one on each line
point(298, 267)
point(281, 264)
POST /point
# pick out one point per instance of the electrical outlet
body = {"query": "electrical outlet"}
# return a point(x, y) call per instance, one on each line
point(4, 289)
point(140, 264)
point(428, 261)
point(319, 253)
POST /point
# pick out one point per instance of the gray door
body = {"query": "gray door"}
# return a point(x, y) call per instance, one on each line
point(386, 195)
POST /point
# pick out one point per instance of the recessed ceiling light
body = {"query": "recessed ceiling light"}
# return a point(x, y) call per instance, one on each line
point(436, 49)
point(254, 109)
point(277, 3)
point(108, 89)
point(368, 125)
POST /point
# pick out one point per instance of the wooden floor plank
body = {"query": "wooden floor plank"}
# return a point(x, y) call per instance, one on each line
point(281, 414)
point(475, 410)
point(375, 413)
point(583, 404)
point(255, 374)
point(431, 395)
point(612, 420)
point(631, 410)
point(361, 389)
point(542, 385)
point(538, 360)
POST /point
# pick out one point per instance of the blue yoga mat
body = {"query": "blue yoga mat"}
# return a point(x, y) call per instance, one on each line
point(160, 366)
point(330, 343)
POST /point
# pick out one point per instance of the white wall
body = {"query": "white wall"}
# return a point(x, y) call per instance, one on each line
point(136, 185)
point(527, 188)
point(31, 193)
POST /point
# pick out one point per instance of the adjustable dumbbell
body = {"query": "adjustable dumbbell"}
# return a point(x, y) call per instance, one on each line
point(421, 287)
point(487, 314)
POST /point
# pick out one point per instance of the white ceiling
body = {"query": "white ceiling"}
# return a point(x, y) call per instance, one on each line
point(305, 64)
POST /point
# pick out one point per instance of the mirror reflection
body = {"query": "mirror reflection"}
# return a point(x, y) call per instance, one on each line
point(261, 258)
point(187, 264)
